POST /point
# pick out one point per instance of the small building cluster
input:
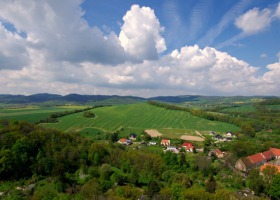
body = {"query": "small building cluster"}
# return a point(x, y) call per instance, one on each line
point(225, 138)
point(125, 141)
point(188, 146)
point(256, 160)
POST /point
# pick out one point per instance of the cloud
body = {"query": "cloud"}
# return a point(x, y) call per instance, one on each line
point(254, 21)
point(62, 54)
point(226, 20)
point(57, 29)
point(277, 12)
point(263, 55)
point(140, 34)
point(13, 54)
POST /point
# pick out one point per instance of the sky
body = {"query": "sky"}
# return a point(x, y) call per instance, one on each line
point(143, 47)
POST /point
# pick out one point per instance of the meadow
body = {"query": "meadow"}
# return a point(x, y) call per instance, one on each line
point(138, 117)
point(241, 108)
point(33, 113)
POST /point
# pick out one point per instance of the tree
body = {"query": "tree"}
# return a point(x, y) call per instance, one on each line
point(211, 184)
point(88, 114)
point(268, 174)
point(274, 190)
point(255, 181)
point(248, 130)
point(153, 189)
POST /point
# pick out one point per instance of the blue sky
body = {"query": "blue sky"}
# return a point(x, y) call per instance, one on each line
point(144, 47)
point(189, 22)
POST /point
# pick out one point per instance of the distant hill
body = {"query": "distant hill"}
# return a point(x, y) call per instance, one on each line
point(70, 98)
point(115, 99)
point(176, 99)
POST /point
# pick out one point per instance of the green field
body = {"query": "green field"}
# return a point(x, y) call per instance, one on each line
point(33, 113)
point(243, 108)
point(136, 118)
point(272, 107)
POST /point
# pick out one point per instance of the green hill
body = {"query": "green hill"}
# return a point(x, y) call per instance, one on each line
point(137, 117)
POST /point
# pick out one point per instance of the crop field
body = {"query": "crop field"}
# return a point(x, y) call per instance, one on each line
point(33, 113)
point(243, 108)
point(138, 117)
point(272, 107)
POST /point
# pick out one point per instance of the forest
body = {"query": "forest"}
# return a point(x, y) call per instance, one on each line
point(39, 163)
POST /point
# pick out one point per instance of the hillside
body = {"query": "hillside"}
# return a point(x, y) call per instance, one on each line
point(115, 99)
point(138, 117)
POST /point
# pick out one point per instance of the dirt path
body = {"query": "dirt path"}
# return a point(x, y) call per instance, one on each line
point(198, 133)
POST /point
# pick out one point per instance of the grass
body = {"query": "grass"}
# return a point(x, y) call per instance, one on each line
point(243, 108)
point(137, 117)
point(33, 113)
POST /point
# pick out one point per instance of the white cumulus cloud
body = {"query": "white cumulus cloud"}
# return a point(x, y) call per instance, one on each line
point(140, 34)
point(254, 21)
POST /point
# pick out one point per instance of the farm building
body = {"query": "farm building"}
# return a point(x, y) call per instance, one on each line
point(165, 142)
point(152, 143)
point(172, 149)
point(229, 134)
point(132, 136)
point(218, 137)
point(218, 153)
point(125, 141)
point(188, 146)
point(250, 162)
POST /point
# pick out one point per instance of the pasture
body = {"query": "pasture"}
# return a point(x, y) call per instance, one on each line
point(33, 113)
point(138, 117)
point(241, 108)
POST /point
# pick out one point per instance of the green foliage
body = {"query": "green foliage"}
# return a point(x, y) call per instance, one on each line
point(274, 190)
point(88, 114)
point(255, 181)
point(211, 184)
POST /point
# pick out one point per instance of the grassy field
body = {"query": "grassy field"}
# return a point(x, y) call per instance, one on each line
point(243, 108)
point(136, 118)
point(33, 113)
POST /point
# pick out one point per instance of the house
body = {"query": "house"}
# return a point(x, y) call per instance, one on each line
point(218, 137)
point(250, 162)
point(165, 142)
point(268, 155)
point(188, 146)
point(125, 141)
point(244, 164)
point(228, 139)
point(276, 152)
point(152, 143)
point(212, 133)
point(257, 159)
point(277, 167)
point(172, 149)
point(132, 136)
point(218, 153)
point(229, 134)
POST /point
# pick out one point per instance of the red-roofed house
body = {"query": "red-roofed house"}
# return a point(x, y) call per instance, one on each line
point(245, 164)
point(165, 142)
point(257, 159)
point(218, 153)
point(125, 141)
point(188, 146)
point(276, 152)
point(268, 155)
point(277, 168)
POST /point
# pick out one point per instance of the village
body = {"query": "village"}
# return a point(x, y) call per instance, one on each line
point(261, 161)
